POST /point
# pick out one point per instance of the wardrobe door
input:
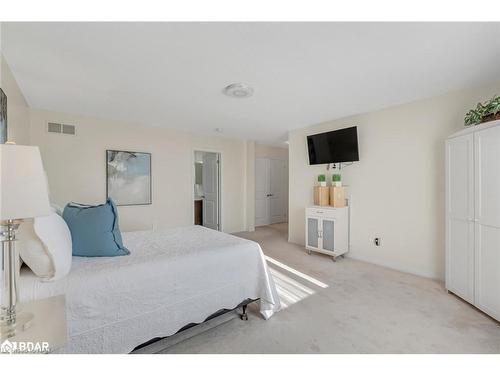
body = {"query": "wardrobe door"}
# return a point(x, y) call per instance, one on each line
point(487, 220)
point(460, 216)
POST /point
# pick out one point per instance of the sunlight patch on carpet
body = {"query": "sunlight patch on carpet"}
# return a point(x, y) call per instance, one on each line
point(296, 273)
point(290, 291)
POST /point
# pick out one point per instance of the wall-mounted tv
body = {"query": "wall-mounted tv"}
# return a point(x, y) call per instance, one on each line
point(337, 146)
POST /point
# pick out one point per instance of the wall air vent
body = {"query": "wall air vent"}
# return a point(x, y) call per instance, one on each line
point(54, 127)
point(69, 129)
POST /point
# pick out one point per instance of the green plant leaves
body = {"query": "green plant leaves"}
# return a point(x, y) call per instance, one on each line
point(475, 116)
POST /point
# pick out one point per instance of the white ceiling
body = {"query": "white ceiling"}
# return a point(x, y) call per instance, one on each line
point(172, 74)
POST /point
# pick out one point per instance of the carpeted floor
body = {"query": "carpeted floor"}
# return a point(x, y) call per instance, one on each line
point(348, 307)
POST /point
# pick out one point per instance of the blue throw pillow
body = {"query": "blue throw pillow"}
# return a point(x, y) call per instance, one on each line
point(94, 230)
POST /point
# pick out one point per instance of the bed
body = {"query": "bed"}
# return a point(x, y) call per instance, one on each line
point(172, 278)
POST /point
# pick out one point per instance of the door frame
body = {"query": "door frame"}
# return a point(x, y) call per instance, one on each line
point(219, 183)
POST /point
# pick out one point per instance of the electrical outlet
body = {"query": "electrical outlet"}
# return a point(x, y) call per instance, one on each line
point(377, 241)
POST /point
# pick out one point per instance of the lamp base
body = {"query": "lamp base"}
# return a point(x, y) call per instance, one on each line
point(22, 323)
point(12, 320)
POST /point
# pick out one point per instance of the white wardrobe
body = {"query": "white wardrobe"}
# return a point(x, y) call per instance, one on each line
point(473, 216)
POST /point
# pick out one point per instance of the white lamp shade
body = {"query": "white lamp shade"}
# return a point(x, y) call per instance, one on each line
point(23, 186)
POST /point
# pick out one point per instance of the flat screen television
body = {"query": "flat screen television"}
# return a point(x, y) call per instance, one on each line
point(337, 146)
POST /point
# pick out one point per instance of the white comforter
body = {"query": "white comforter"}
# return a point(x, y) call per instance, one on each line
point(171, 278)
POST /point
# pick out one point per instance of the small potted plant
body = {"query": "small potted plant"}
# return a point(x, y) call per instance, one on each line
point(337, 180)
point(487, 111)
point(322, 180)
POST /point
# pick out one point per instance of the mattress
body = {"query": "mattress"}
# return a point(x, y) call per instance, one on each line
point(171, 278)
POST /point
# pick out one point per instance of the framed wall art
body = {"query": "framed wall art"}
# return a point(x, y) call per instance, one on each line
point(128, 177)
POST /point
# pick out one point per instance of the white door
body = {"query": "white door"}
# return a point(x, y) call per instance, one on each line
point(270, 184)
point(210, 178)
point(460, 216)
point(262, 191)
point(277, 204)
point(487, 220)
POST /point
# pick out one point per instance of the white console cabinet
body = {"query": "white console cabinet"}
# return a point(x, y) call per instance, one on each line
point(327, 230)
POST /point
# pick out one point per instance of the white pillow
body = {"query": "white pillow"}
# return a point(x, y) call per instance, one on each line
point(45, 246)
point(32, 251)
point(56, 237)
point(57, 209)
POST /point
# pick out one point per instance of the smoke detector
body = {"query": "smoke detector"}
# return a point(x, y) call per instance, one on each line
point(238, 90)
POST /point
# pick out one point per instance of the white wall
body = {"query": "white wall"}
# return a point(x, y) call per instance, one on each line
point(76, 169)
point(17, 108)
point(264, 151)
point(397, 187)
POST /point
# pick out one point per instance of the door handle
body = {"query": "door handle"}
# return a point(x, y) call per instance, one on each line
point(269, 195)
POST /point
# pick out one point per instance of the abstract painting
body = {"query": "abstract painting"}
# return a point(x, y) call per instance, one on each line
point(3, 117)
point(128, 180)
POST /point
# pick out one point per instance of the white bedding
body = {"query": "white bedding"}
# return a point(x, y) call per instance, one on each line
point(171, 278)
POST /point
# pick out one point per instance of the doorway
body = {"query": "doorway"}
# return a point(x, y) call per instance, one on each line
point(271, 186)
point(207, 190)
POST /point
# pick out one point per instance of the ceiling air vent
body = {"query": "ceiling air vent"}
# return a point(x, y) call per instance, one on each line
point(54, 127)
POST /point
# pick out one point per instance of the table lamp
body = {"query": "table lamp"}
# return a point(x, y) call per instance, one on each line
point(23, 194)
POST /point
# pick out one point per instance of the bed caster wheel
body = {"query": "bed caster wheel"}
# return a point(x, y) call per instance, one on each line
point(244, 315)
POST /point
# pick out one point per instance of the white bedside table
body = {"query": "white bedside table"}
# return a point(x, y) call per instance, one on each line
point(46, 332)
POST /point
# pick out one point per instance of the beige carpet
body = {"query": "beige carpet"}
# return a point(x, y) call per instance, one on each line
point(349, 307)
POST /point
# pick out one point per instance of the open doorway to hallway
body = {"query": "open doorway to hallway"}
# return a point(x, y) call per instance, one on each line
point(207, 189)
